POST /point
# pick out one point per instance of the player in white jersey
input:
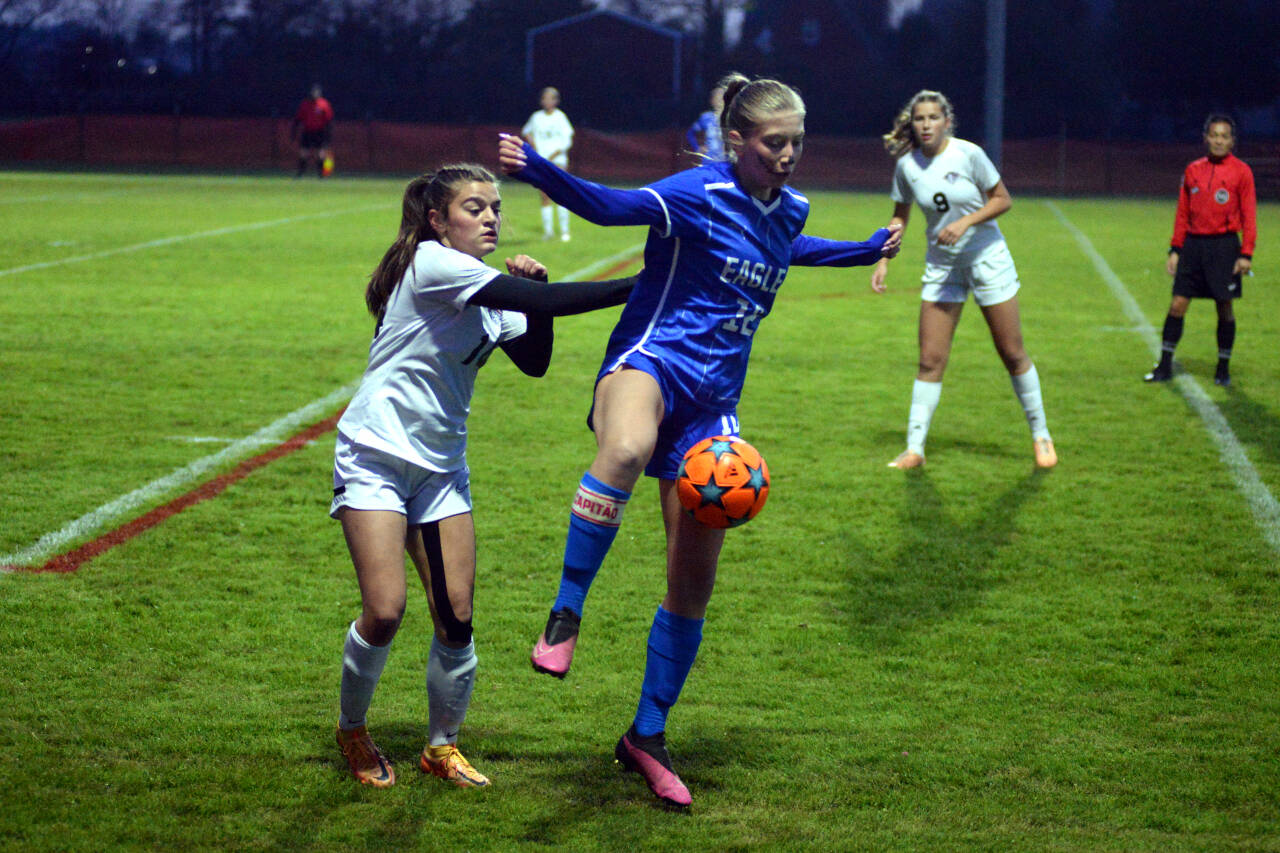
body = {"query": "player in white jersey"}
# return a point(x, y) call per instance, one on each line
point(961, 194)
point(400, 471)
point(549, 132)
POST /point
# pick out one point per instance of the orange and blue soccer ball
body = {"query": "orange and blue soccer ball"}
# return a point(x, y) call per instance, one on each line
point(723, 481)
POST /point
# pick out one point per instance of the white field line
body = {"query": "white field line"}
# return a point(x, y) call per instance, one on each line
point(602, 264)
point(182, 238)
point(1266, 511)
point(210, 439)
point(94, 521)
point(63, 196)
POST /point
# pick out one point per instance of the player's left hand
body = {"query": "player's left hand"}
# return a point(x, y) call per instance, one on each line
point(894, 243)
point(511, 153)
point(526, 267)
point(952, 233)
point(1242, 267)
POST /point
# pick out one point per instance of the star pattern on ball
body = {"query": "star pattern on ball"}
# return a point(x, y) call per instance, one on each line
point(712, 493)
point(719, 447)
point(756, 481)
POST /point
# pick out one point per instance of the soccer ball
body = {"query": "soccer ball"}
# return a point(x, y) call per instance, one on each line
point(723, 481)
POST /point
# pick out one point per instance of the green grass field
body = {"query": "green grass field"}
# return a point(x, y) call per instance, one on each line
point(974, 657)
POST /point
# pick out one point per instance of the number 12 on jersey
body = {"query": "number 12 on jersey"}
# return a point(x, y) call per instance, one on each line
point(744, 323)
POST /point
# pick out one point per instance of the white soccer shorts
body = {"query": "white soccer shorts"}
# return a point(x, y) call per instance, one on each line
point(991, 277)
point(365, 478)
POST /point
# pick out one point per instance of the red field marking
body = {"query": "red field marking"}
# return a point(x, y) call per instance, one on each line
point(616, 268)
point(77, 557)
point(74, 559)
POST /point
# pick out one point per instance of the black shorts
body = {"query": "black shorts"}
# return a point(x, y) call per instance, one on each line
point(1205, 267)
point(315, 138)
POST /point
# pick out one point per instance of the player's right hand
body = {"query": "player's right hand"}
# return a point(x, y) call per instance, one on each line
point(894, 243)
point(511, 153)
point(878, 275)
point(526, 267)
point(1171, 265)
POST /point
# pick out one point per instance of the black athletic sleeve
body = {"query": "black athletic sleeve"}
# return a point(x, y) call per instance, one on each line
point(531, 352)
point(556, 299)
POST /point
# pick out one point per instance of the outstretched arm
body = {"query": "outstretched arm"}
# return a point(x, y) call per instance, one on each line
point(809, 251)
point(593, 202)
point(527, 290)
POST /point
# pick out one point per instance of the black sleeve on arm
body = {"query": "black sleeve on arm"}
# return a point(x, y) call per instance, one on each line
point(531, 352)
point(512, 293)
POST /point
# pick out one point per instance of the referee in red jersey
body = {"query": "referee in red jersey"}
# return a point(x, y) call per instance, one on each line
point(1206, 256)
point(313, 118)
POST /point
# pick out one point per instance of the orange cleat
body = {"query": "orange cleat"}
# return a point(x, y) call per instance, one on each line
point(366, 761)
point(908, 459)
point(1046, 456)
point(446, 762)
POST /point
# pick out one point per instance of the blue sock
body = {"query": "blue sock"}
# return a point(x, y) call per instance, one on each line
point(593, 523)
point(673, 644)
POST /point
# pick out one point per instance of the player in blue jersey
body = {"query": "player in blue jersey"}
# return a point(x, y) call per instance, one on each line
point(704, 134)
point(722, 237)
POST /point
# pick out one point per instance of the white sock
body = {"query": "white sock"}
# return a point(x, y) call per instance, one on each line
point(564, 219)
point(546, 220)
point(924, 400)
point(451, 673)
point(1027, 387)
point(361, 668)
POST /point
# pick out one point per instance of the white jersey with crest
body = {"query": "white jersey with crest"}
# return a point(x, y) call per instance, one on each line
point(415, 396)
point(551, 134)
point(948, 186)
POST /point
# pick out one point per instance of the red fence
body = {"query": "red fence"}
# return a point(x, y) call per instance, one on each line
point(1051, 166)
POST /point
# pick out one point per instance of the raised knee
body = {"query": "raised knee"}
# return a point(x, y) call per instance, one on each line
point(627, 456)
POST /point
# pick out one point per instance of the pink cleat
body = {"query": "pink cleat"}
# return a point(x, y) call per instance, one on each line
point(553, 653)
point(648, 757)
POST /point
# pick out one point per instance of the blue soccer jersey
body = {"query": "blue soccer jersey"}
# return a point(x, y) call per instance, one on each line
point(708, 126)
point(713, 263)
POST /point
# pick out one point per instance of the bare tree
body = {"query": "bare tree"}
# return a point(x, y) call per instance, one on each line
point(18, 17)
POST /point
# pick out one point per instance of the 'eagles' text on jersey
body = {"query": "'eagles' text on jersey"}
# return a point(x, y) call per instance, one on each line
point(710, 275)
point(713, 261)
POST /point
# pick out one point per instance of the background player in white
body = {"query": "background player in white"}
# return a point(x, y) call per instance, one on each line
point(400, 472)
point(961, 194)
point(549, 132)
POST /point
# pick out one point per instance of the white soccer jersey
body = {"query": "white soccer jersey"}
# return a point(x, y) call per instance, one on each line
point(951, 185)
point(551, 135)
point(416, 392)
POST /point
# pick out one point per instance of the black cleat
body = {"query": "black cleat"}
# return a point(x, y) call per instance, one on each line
point(1159, 373)
point(1222, 377)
